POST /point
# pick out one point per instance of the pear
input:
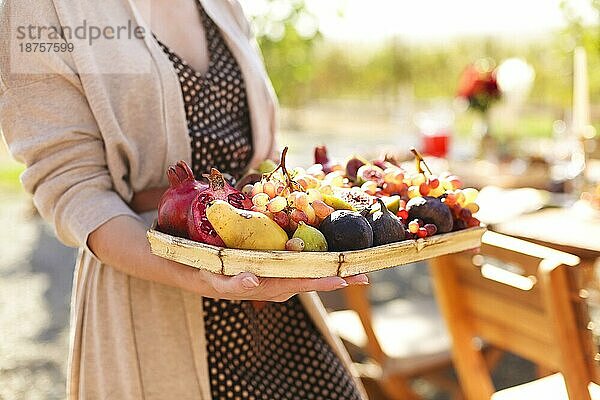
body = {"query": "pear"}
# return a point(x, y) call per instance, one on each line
point(312, 237)
point(243, 229)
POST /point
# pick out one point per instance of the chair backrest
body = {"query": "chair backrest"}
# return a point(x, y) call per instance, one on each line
point(520, 297)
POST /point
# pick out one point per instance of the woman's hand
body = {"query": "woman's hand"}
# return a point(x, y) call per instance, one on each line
point(121, 243)
point(247, 286)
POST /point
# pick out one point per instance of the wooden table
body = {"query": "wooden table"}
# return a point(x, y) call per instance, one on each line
point(575, 230)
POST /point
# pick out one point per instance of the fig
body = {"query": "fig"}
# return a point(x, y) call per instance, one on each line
point(346, 230)
point(356, 197)
point(387, 228)
point(313, 238)
point(249, 179)
point(352, 167)
point(370, 173)
point(380, 163)
point(430, 210)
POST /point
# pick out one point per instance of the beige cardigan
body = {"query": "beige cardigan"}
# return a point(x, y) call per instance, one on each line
point(91, 139)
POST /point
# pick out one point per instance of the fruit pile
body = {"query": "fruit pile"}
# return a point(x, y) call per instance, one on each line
point(328, 206)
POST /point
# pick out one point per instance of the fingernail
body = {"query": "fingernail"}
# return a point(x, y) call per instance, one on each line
point(250, 282)
point(343, 284)
point(364, 281)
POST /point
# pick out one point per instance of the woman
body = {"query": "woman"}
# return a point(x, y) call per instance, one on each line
point(97, 127)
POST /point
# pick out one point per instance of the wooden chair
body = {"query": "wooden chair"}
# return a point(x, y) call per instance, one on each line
point(402, 339)
point(520, 297)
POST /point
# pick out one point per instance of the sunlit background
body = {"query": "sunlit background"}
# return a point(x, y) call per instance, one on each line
point(368, 77)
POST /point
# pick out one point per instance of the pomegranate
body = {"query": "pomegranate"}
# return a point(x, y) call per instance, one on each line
point(199, 227)
point(175, 203)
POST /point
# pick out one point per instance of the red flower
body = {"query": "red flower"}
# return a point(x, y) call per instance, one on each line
point(479, 87)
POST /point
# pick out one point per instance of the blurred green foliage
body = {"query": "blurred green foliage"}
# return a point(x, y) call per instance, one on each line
point(303, 66)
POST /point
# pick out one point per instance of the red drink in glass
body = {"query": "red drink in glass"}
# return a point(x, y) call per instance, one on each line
point(436, 144)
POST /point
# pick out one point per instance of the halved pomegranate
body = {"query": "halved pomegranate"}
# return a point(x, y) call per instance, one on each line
point(199, 227)
point(175, 203)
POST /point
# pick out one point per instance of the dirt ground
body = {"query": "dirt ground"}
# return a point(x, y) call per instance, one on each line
point(35, 282)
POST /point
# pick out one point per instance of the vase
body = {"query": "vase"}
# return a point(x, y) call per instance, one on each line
point(486, 143)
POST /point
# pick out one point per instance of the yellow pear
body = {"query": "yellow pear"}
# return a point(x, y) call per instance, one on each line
point(242, 229)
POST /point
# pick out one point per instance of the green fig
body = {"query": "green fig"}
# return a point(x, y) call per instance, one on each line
point(312, 237)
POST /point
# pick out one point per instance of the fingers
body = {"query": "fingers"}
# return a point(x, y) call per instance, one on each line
point(360, 279)
point(297, 285)
point(235, 285)
point(247, 286)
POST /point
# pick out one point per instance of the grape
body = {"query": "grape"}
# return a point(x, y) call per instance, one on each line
point(260, 199)
point(472, 222)
point(417, 179)
point(473, 207)
point(465, 214)
point(301, 200)
point(422, 232)
point(390, 188)
point(310, 214)
point(437, 192)
point(292, 226)
point(313, 194)
point(294, 244)
point(470, 195)
point(291, 199)
point(460, 197)
point(277, 204)
point(298, 216)
point(269, 189)
point(298, 171)
point(399, 177)
point(446, 184)
point(431, 229)
point(247, 189)
point(313, 182)
point(455, 182)
point(413, 226)
point(424, 189)
point(402, 213)
point(282, 219)
point(413, 191)
point(326, 189)
point(302, 182)
point(450, 199)
point(279, 189)
point(258, 188)
point(260, 209)
point(322, 210)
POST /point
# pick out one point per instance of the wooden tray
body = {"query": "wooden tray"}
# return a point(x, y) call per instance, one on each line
point(288, 264)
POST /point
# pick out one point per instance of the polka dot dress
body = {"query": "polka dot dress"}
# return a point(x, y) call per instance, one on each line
point(216, 108)
point(274, 352)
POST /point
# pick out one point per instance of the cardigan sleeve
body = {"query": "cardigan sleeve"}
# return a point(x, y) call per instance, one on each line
point(49, 127)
